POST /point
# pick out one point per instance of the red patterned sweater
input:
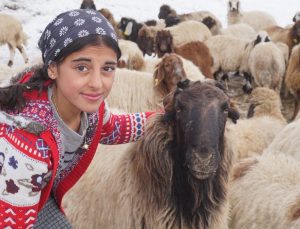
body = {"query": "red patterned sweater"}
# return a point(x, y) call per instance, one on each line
point(28, 159)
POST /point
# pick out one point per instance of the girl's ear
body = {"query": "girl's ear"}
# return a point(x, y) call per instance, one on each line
point(52, 71)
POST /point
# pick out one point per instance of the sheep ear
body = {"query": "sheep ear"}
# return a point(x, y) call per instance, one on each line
point(251, 109)
point(267, 39)
point(128, 29)
point(257, 41)
point(294, 18)
point(240, 169)
point(233, 114)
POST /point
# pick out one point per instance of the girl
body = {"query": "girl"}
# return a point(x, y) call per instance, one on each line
point(53, 117)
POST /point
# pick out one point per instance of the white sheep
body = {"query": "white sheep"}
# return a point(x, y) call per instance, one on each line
point(251, 136)
point(132, 56)
point(133, 91)
point(187, 31)
point(231, 53)
point(267, 65)
point(265, 193)
point(11, 33)
point(227, 52)
point(258, 20)
point(287, 141)
point(239, 30)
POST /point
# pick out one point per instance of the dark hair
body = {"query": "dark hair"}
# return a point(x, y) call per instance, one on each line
point(11, 97)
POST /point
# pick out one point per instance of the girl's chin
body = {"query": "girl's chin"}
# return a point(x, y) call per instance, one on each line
point(91, 108)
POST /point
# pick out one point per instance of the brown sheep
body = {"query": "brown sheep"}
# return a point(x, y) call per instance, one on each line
point(109, 16)
point(289, 36)
point(195, 51)
point(164, 43)
point(199, 54)
point(292, 77)
point(174, 177)
point(168, 73)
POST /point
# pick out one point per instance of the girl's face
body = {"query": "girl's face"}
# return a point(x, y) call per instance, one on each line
point(83, 80)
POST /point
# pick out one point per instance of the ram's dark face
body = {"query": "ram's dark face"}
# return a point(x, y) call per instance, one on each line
point(200, 112)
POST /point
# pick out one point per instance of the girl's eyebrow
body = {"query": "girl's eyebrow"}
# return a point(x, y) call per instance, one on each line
point(89, 60)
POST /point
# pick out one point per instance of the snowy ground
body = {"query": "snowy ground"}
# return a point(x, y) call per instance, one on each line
point(36, 14)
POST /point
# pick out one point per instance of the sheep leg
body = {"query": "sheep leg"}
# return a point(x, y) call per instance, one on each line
point(12, 54)
point(22, 51)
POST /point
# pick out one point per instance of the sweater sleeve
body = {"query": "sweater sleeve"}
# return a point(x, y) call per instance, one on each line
point(124, 128)
point(25, 169)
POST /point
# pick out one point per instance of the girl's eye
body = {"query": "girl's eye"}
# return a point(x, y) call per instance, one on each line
point(109, 69)
point(82, 68)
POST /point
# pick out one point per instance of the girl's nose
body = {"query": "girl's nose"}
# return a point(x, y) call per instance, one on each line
point(95, 80)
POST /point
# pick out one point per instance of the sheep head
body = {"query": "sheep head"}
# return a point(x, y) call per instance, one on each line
point(209, 22)
point(295, 33)
point(263, 101)
point(296, 17)
point(199, 112)
point(168, 73)
point(164, 42)
point(129, 28)
point(165, 11)
point(262, 36)
point(234, 6)
point(146, 40)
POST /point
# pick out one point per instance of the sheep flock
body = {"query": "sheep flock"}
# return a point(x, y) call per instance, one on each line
point(252, 65)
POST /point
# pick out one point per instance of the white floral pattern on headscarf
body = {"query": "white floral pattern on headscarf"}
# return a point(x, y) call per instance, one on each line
point(69, 26)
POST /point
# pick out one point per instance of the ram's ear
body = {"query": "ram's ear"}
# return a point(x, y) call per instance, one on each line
point(183, 84)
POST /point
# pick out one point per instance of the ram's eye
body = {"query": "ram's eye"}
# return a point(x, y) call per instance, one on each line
point(225, 107)
point(178, 110)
